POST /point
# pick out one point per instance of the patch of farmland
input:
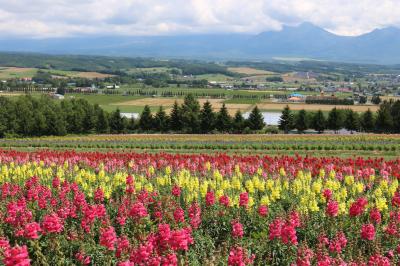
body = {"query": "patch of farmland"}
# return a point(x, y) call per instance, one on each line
point(249, 71)
point(315, 107)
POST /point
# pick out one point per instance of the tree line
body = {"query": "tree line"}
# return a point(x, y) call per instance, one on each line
point(385, 120)
point(42, 116)
point(190, 118)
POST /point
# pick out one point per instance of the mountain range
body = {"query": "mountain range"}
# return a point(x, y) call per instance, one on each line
point(306, 41)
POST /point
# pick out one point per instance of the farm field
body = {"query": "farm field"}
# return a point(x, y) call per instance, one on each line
point(20, 72)
point(167, 103)
point(127, 208)
point(249, 71)
point(16, 72)
point(268, 106)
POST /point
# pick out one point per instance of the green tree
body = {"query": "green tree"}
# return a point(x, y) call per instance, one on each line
point(116, 122)
point(132, 124)
point(224, 120)
point(384, 119)
point(239, 123)
point(352, 121)
point(146, 121)
point(376, 99)
point(102, 124)
point(256, 119)
point(367, 121)
point(319, 122)
point(207, 118)
point(175, 122)
point(335, 120)
point(395, 112)
point(286, 121)
point(190, 114)
point(161, 120)
point(301, 122)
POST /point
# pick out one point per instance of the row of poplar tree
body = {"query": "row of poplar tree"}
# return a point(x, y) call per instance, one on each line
point(385, 120)
point(43, 116)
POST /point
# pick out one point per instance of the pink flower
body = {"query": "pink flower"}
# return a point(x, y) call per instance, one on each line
point(195, 215)
point(275, 229)
point(288, 234)
point(237, 229)
point(263, 210)
point(138, 210)
point(368, 232)
point(210, 198)
point(31, 230)
point(357, 208)
point(244, 199)
point(332, 208)
point(108, 238)
point(238, 257)
point(99, 195)
point(176, 191)
point(16, 256)
point(181, 239)
point(375, 215)
point(52, 224)
point(224, 200)
point(327, 194)
point(179, 215)
point(82, 258)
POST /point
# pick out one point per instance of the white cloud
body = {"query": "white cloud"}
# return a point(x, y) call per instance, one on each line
point(53, 18)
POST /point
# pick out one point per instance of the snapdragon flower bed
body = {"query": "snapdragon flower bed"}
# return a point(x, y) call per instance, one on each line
point(92, 208)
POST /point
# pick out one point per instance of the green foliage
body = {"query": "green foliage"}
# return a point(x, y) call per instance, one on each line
point(368, 121)
point(301, 121)
point(161, 120)
point(376, 99)
point(286, 122)
point(207, 118)
point(190, 114)
point(224, 121)
point(146, 121)
point(319, 122)
point(335, 120)
point(116, 122)
point(352, 121)
point(256, 119)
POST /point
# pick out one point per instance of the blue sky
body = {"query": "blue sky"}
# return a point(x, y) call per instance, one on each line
point(57, 18)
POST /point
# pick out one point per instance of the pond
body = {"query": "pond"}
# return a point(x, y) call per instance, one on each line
point(270, 118)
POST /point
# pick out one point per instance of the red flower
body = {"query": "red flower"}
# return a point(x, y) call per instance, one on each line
point(327, 194)
point(357, 208)
point(31, 230)
point(138, 210)
point(263, 210)
point(244, 199)
point(179, 215)
point(375, 215)
point(368, 232)
point(16, 256)
point(210, 198)
point(332, 208)
point(224, 200)
point(238, 257)
point(108, 238)
point(176, 191)
point(237, 229)
point(52, 224)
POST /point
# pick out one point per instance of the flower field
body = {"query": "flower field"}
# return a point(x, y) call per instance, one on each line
point(357, 144)
point(94, 208)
